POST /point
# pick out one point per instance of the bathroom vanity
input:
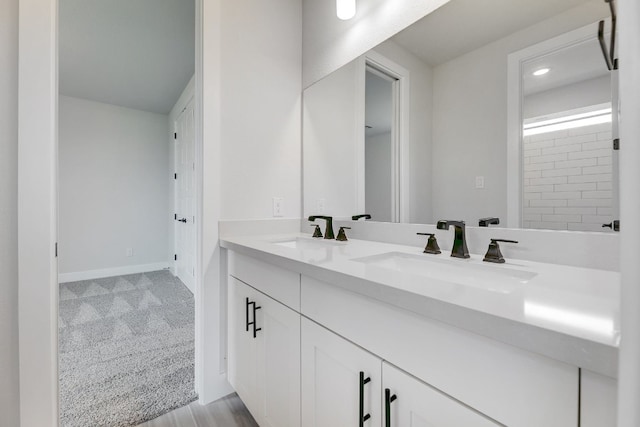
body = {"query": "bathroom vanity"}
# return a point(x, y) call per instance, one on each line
point(363, 333)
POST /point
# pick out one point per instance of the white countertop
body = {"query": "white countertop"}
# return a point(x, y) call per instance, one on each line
point(567, 313)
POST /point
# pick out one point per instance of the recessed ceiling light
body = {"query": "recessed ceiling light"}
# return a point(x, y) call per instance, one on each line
point(541, 71)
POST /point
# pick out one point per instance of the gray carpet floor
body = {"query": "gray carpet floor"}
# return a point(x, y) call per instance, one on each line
point(126, 349)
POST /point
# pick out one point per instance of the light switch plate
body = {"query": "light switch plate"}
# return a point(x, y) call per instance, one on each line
point(479, 181)
point(129, 252)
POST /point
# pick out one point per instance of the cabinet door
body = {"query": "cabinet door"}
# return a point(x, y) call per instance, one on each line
point(278, 363)
point(331, 381)
point(408, 402)
point(241, 360)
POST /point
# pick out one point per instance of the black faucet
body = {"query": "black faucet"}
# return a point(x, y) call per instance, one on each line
point(357, 217)
point(459, 241)
point(328, 233)
point(485, 222)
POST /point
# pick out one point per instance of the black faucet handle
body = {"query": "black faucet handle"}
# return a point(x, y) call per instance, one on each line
point(493, 252)
point(504, 240)
point(342, 236)
point(485, 222)
point(357, 217)
point(316, 232)
point(432, 244)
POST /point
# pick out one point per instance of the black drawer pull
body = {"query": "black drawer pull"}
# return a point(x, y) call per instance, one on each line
point(388, 398)
point(246, 312)
point(255, 330)
point(363, 417)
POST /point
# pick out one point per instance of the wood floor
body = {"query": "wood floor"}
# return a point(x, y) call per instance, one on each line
point(226, 412)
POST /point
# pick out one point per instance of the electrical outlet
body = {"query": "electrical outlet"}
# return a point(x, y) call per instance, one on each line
point(320, 206)
point(479, 181)
point(277, 206)
point(129, 252)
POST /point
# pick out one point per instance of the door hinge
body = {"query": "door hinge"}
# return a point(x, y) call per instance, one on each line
point(175, 176)
point(56, 249)
point(616, 144)
point(175, 257)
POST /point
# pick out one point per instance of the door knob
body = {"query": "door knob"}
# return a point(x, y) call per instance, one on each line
point(183, 220)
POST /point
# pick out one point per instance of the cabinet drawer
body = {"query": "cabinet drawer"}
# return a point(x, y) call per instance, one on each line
point(512, 386)
point(280, 284)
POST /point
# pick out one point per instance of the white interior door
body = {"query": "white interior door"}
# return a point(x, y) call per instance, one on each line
point(185, 197)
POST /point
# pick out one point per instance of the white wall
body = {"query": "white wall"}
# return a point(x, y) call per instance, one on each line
point(330, 43)
point(114, 182)
point(470, 122)
point(9, 383)
point(261, 100)
point(582, 94)
point(377, 171)
point(330, 134)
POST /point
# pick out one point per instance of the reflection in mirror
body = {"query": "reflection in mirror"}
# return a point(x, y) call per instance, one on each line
point(566, 144)
point(454, 153)
point(378, 146)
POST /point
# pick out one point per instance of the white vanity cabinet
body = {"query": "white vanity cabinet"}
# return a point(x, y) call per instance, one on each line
point(408, 402)
point(264, 352)
point(345, 385)
point(341, 382)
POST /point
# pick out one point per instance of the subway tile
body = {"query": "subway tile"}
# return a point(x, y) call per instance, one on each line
point(596, 145)
point(579, 139)
point(532, 211)
point(539, 188)
point(605, 160)
point(548, 158)
point(596, 219)
point(550, 180)
point(561, 172)
point(604, 152)
point(584, 186)
point(590, 178)
point(561, 218)
point(561, 195)
point(581, 210)
point(548, 225)
point(605, 185)
point(596, 169)
point(529, 153)
point(596, 195)
point(531, 217)
point(532, 174)
point(531, 196)
point(562, 149)
point(576, 163)
point(533, 145)
point(605, 211)
point(547, 202)
point(537, 166)
point(590, 202)
point(605, 136)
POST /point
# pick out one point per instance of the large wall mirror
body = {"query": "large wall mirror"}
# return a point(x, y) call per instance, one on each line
point(425, 127)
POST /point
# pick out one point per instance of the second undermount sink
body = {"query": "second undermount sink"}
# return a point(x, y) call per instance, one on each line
point(307, 243)
point(498, 278)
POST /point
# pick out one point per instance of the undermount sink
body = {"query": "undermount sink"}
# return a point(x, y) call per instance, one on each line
point(307, 243)
point(497, 278)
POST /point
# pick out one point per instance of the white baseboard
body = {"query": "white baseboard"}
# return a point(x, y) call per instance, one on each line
point(108, 272)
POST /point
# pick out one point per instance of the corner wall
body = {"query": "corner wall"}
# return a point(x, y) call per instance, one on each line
point(113, 189)
point(9, 383)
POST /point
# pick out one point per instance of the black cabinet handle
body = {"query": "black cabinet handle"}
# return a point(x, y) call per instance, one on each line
point(246, 312)
point(255, 330)
point(363, 417)
point(388, 398)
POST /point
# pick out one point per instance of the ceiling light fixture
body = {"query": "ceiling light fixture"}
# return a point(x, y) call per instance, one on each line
point(345, 9)
point(541, 72)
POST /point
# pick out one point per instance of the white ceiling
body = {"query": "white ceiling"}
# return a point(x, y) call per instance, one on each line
point(133, 53)
point(577, 63)
point(462, 26)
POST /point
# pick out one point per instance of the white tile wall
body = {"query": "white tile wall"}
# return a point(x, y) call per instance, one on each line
point(567, 179)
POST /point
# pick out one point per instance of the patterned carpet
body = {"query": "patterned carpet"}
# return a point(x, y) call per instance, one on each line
point(126, 349)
